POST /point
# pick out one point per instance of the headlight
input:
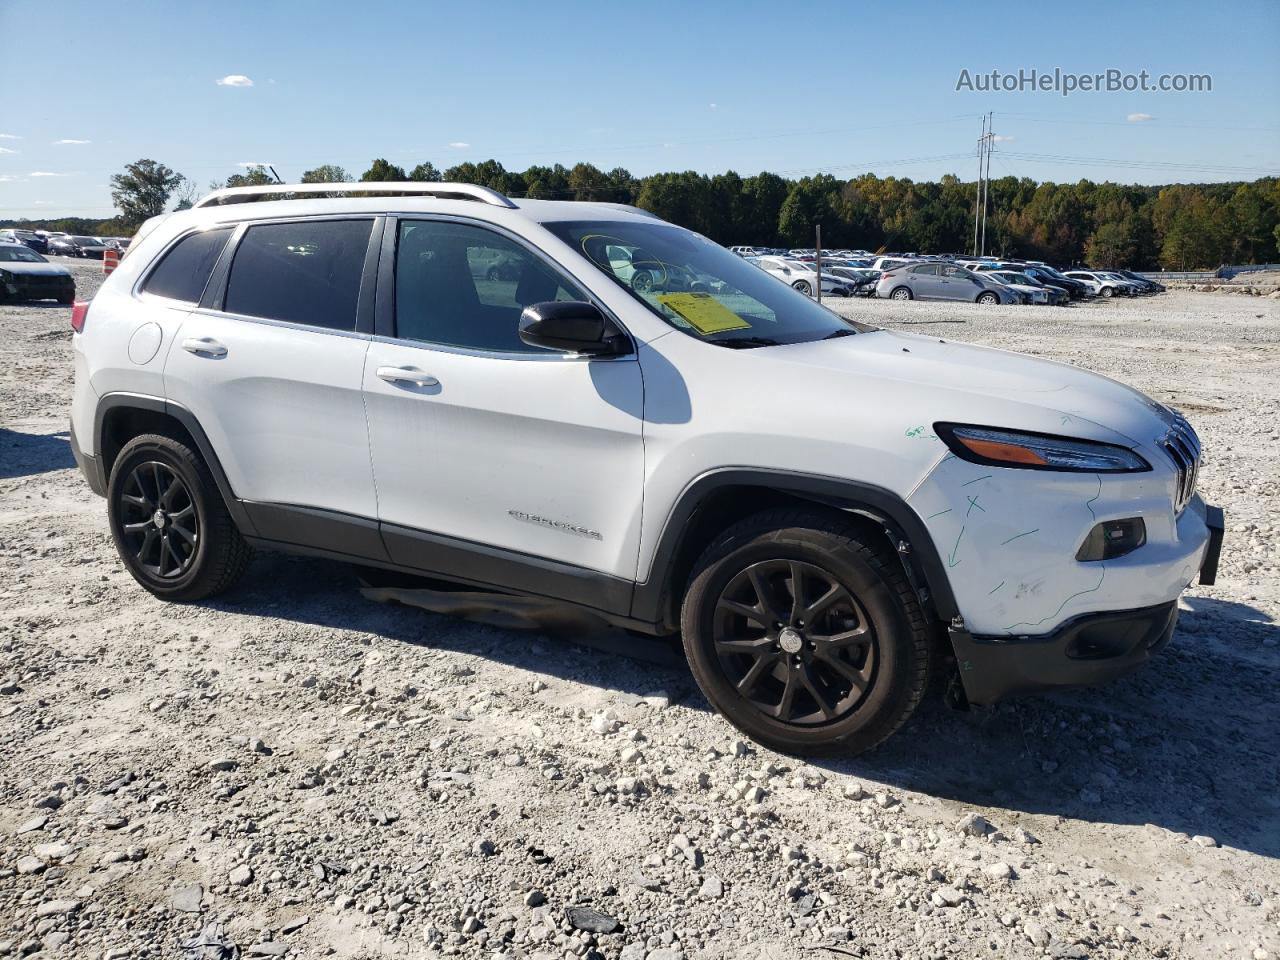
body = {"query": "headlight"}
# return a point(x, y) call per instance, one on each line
point(1036, 451)
point(5, 276)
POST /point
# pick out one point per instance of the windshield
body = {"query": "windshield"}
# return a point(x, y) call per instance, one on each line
point(19, 255)
point(87, 241)
point(1023, 279)
point(699, 287)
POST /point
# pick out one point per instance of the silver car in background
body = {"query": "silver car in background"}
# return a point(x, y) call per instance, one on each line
point(942, 281)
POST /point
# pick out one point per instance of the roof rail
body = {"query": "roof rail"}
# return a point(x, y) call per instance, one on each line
point(290, 191)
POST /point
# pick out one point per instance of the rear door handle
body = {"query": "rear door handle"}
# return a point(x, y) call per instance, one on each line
point(204, 346)
point(407, 375)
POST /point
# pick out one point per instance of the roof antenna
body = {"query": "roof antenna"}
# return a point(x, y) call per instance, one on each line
point(273, 173)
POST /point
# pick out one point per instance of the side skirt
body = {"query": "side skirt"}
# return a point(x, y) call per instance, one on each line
point(335, 536)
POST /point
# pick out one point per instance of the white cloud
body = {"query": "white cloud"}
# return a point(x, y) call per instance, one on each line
point(999, 138)
point(7, 150)
point(250, 164)
point(1139, 117)
point(459, 145)
point(714, 105)
point(46, 173)
point(9, 136)
point(57, 142)
point(235, 80)
point(9, 180)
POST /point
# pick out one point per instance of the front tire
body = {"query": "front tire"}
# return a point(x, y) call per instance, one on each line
point(801, 627)
point(169, 522)
point(1107, 293)
point(988, 299)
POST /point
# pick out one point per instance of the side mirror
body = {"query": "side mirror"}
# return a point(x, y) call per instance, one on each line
point(571, 325)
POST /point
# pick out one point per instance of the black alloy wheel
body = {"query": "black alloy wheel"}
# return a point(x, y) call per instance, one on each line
point(171, 526)
point(795, 642)
point(158, 520)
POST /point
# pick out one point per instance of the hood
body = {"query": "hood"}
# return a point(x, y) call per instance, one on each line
point(21, 267)
point(982, 385)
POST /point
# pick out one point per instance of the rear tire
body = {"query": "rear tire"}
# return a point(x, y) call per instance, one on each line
point(803, 287)
point(901, 293)
point(833, 666)
point(169, 522)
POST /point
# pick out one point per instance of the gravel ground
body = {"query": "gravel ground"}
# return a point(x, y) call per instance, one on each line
point(294, 769)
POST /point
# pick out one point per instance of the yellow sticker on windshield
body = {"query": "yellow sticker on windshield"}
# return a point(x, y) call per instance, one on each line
point(704, 312)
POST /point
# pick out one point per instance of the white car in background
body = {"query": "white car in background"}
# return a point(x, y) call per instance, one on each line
point(1038, 296)
point(802, 276)
point(884, 264)
point(1101, 284)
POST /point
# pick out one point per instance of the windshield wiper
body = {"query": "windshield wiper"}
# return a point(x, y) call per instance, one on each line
point(840, 333)
point(745, 343)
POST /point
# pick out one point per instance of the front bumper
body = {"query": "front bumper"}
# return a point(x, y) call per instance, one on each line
point(1085, 651)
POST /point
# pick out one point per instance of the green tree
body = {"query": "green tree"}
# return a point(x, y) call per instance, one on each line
point(253, 177)
point(1109, 246)
point(326, 173)
point(425, 172)
point(382, 171)
point(143, 190)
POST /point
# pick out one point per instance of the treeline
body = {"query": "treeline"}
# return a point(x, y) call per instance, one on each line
point(1177, 227)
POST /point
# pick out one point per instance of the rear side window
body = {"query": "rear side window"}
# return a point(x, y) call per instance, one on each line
point(305, 272)
point(184, 270)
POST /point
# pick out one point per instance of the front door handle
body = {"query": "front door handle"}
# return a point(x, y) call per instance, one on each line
point(407, 375)
point(204, 346)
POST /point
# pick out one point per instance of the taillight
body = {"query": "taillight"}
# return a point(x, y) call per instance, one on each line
point(886, 275)
point(79, 311)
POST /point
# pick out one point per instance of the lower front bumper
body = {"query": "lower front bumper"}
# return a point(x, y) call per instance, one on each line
point(1084, 651)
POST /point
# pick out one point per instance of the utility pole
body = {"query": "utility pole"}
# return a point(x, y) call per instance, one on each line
point(986, 187)
point(977, 196)
point(817, 233)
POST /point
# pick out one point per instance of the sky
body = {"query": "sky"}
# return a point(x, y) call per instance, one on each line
point(844, 88)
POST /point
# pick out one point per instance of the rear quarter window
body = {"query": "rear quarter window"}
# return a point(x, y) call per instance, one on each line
point(184, 270)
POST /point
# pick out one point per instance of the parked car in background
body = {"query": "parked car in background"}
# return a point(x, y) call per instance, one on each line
point(747, 251)
point(28, 238)
point(1052, 278)
point(74, 246)
point(1132, 288)
point(864, 280)
point(1098, 284)
point(888, 263)
point(25, 275)
point(942, 281)
point(803, 277)
point(1032, 289)
point(1151, 285)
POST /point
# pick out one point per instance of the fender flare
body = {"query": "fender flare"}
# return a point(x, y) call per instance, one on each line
point(138, 401)
point(921, 558)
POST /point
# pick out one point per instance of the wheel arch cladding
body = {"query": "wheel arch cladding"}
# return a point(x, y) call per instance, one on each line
point(122, 416)
point(716, 500)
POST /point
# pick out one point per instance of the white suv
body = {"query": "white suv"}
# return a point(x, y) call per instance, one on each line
point(825, 511)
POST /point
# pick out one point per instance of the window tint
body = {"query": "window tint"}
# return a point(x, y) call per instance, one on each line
point(929, 269)
point(305, 272)
point(464, 286)
point(185, 269)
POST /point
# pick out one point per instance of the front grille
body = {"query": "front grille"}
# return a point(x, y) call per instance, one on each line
point(1183, 447)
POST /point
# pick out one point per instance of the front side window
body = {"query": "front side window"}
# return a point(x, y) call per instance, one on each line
point(699, 287)
point(306, 272)
point(460, 285)
point(185, 269)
